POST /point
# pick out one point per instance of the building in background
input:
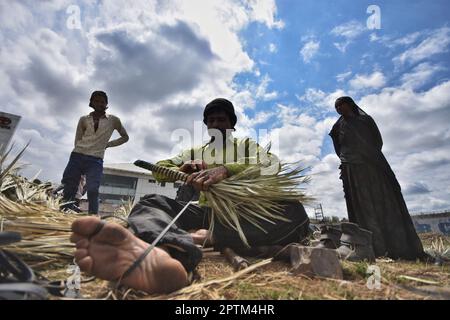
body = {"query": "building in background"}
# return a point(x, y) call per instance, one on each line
point(436, 222)
point(125, 181)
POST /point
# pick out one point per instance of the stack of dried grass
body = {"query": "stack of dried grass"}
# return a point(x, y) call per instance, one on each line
point(31, 210)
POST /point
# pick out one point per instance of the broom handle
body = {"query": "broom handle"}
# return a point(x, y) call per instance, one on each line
point(169, 173)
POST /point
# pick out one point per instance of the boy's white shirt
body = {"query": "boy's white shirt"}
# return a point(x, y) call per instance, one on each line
point(94, 143)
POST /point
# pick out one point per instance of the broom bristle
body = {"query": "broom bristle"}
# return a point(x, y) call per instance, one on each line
point(250, 195)
point(254, 197)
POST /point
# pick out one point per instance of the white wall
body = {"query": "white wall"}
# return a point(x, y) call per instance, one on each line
point(144, 187)
point(432, 224)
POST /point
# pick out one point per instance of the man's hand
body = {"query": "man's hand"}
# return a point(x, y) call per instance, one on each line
point(193, 166)
point(203, 179)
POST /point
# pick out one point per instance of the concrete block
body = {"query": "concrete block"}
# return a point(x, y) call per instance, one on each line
point(312, 261)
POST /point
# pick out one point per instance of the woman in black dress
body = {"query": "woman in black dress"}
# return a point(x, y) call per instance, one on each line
point(372, 193)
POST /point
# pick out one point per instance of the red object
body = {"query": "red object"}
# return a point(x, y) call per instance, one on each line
point(4, 121)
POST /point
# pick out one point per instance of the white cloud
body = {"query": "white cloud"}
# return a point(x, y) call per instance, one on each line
point(299, 136)
point(342, 46)
point(374, 37)
point(408, 39)
point(265, 11)
point(309, 50)
point(315, 96)
point(342, 76)
point(374, 80)
point(262, 117)
point(248, 97)
point(390, 42)
point(418, 187)
point(14, 21)
point(418, 119)
point(319, 102)
point(327, 187)
point(272, 48)
point(437, 42)
point(261, 90)
point(414, 127)
point(420, 75)
point(349, 31)
point(160, 63)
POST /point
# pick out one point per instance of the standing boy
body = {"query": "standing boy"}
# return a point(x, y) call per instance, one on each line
point(92, 138)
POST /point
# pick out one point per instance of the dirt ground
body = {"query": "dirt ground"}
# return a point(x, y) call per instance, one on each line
point(273, 280)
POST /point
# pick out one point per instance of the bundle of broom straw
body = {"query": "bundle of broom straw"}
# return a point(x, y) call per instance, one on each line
point(32, 210)
point(248, 195)
point(28, 208)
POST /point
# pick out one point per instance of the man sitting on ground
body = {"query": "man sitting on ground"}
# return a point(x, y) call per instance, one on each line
point(108, 250)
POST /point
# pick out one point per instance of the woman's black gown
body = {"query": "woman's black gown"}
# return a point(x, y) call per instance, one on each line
point(372, 193)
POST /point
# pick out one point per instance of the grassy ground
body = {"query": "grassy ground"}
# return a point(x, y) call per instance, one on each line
point(273, 280)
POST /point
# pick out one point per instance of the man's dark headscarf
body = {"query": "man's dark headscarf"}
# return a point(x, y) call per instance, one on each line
point(220, 104)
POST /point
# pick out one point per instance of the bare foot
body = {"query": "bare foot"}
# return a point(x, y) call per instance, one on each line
point(201, 237)
point(110, 252)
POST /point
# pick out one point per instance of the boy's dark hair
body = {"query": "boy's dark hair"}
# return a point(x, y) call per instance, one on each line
point(98, 93)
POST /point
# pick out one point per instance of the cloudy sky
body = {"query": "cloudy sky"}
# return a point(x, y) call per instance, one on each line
point(282, 63)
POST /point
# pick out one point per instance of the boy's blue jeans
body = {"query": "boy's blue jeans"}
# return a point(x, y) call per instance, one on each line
point(78, 165)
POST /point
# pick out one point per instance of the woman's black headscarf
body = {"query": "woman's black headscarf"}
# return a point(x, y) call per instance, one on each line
point(370, 142)
point(355, 108)
point(334, 133)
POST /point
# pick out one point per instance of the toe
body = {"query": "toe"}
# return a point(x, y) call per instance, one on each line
point(82, 244)
point(86, 226)
point(86, 264)
point(75, 237)
point(80, 254)
point(112, 234)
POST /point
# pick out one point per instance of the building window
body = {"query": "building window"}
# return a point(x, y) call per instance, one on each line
point(163, 184)
point(114, 198)
point(151, 181)
point(176, 185)
point(109, 180)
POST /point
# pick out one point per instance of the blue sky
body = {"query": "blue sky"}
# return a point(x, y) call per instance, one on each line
point(282, 63)
point(291, 76)
point(316, 19)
